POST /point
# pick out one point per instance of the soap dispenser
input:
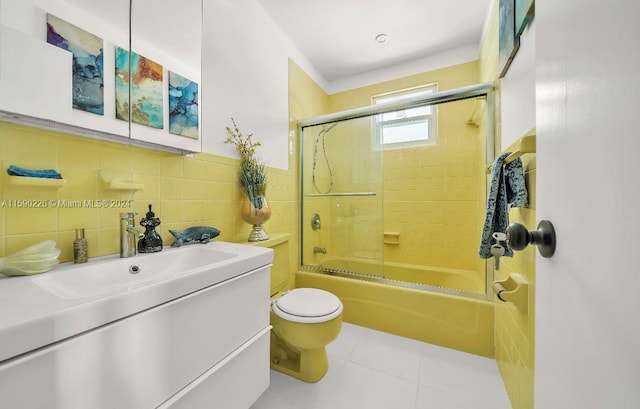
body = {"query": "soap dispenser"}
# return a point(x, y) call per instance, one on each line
point(151, 242)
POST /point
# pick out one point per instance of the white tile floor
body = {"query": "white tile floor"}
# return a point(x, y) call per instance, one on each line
point(370, 369)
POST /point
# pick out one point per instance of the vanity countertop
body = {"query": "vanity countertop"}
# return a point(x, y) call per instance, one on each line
point(73, 298)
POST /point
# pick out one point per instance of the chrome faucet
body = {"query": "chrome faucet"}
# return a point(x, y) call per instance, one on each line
point(320, 250)
point(128, 235)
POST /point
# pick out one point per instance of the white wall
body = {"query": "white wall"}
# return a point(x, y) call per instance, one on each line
point(588, 295)
point(456, 56)
point(517, 91)
point(245, 77)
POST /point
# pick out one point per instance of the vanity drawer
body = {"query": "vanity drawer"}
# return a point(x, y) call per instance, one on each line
point(142, 360)
point(236, 382)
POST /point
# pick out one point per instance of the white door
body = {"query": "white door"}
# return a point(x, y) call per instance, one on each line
point(587, 352)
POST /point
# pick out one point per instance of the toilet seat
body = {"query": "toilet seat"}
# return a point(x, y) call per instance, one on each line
point(307, 305)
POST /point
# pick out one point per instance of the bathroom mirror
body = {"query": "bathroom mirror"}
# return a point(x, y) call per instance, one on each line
point(88, 88)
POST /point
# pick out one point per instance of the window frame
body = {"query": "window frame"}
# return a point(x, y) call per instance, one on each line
point(407, 93)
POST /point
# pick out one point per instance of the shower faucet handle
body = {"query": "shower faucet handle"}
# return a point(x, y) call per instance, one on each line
point(315, 221)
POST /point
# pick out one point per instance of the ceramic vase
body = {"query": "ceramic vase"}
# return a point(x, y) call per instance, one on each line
point(255, 210)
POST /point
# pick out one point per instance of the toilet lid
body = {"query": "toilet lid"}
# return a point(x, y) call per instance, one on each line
point(308, 302)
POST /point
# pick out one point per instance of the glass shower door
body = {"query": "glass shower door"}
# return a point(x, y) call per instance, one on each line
point(342, 211)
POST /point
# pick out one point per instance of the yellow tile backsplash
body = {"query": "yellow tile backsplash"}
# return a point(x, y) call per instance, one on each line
point(32, 147)
point(184, 191)
point(27, 220)
point(171, 166)
point(192, 210)
point(81, 184)
point(76, 218)
point(151, 189)
point(146, 164)
point(171, 188)
point(74, 153)
point(113, 157)
point(193, 169)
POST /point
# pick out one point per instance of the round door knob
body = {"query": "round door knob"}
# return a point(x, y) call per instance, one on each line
point(518, 237)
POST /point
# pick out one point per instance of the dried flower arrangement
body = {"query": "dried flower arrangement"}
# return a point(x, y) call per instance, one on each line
point(253, 173)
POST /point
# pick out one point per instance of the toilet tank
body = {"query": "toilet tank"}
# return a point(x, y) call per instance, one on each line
point(279, 242)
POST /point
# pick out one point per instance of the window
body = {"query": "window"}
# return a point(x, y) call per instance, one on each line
point(407, 127)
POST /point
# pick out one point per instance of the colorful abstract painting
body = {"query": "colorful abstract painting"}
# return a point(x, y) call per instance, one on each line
point(146, 97)
point(183, 106)
point(122, 83)
point(508, 42)
point(87, 70)
point(524, 13)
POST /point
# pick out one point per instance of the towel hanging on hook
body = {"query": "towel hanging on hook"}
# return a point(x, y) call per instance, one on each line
point(507, 190)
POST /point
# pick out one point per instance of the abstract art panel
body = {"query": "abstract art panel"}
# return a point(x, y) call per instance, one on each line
point(87, 71)
point(524, 13)
point(183, 106)
point(508, 42)
point(146, 99)
point(122, 83)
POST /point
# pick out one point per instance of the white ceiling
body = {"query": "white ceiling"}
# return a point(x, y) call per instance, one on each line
point(338, 36)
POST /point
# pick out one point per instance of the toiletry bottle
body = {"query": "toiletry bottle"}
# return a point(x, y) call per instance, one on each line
point(80, 248)
point(151, 242)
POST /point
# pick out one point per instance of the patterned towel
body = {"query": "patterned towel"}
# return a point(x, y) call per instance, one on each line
point(507, 190)
point(33, 173)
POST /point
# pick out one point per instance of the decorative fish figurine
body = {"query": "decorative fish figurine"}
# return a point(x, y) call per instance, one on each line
point(202, 234)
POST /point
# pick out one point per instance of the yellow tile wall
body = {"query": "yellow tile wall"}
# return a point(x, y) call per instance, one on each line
point(184, 191)
point(349, 223)
point(306, 100)
point(431, 195)
point(514, 331)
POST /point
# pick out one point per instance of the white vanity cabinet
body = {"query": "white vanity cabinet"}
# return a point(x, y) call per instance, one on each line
point(206, 349)
point(44, 85)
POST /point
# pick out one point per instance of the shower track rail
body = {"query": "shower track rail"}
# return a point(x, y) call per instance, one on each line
point(457, 94)
point(373, 278)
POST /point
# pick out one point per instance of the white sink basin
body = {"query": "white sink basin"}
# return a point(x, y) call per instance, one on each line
point(124, 274)
point(72, 298)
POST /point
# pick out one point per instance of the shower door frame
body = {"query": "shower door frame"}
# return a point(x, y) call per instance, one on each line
point(486, 90)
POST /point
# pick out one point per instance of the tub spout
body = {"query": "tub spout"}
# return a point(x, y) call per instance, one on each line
point(320, 250)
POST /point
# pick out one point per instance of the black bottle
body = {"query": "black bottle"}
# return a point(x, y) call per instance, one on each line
point(151, 242)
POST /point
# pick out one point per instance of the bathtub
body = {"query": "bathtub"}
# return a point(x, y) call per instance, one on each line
point(463, 280)
point(454, 321)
